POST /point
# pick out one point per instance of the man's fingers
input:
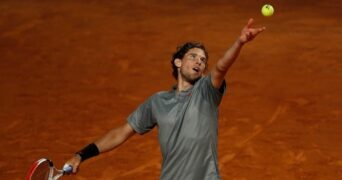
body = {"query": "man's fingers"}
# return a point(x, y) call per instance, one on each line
point(74, 170)
point(250, 22)
point(74, 162)
point(257, 30)
point(248, 33)
point(260, 30)
point(75, 167)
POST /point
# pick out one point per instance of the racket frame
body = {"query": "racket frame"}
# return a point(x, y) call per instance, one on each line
point(51, 170)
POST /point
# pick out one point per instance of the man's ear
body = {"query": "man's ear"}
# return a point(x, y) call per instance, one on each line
point(178, 62)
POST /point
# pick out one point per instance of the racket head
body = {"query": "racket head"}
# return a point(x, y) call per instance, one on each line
point(40, 170)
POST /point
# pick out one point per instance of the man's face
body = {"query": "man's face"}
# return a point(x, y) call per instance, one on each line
point(193, 65)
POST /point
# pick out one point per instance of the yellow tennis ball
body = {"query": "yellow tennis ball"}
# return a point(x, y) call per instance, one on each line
point(267, 10)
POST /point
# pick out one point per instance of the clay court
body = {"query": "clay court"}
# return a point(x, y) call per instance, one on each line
point(72, 70)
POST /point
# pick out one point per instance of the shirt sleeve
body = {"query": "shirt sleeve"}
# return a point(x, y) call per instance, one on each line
point(141, 120)
point(210, 92)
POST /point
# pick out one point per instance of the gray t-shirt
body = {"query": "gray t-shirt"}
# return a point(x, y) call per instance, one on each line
point(187, 129)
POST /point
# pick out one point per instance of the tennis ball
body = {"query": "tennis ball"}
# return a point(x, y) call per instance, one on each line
point(267, 10)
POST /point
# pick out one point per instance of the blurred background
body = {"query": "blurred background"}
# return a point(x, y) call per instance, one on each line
point(72, 70)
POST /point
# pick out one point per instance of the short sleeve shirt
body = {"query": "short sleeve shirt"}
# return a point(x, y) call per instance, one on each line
point(187, 124)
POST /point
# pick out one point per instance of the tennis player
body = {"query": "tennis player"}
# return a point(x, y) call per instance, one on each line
point(186, 115)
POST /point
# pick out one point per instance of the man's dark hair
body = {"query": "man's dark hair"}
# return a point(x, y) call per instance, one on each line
point(182, 50)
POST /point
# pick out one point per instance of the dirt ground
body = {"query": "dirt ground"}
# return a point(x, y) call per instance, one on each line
point(72, 70)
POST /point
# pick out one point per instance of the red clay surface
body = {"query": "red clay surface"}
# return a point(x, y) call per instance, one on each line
point(72, 70)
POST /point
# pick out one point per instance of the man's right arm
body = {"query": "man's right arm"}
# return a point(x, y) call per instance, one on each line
point(114, 138)
point(109, 141)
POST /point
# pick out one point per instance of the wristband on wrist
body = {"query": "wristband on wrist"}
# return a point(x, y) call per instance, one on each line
point(89, 151)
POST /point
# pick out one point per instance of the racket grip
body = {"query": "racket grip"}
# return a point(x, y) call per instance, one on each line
point(67, 168)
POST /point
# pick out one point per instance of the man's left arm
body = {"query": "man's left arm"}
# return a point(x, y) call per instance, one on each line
point(218, 72)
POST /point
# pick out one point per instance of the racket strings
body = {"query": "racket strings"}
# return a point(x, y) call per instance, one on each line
point(42, 171)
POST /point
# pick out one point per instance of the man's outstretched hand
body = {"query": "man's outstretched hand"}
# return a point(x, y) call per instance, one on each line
point(74, 162)
point(248, 33)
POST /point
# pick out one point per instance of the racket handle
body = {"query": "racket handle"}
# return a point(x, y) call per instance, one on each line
point(67, 168)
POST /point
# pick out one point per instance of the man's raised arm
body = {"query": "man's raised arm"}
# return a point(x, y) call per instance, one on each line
point(218, 72)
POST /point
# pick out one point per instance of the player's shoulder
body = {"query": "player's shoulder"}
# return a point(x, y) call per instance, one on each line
point(204, 79)
point(163, 95)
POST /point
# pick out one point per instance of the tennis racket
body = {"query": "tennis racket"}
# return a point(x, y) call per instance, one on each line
point(43, 169)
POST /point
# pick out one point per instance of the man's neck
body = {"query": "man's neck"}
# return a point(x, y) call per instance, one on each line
point(183, 85)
